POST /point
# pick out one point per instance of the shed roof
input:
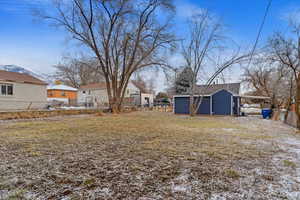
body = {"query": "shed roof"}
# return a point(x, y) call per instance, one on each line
point(61, 87)
point(231, 87)
point(19, 78)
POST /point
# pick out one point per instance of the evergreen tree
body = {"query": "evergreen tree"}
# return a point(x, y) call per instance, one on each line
point(183, 82)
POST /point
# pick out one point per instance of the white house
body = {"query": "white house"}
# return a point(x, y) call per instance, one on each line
point(95, 95)
point(21, 91)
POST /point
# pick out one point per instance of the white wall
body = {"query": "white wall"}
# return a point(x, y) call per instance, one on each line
point(24, 96)
point(95, 96)
point(100, 97)
point(144, 101)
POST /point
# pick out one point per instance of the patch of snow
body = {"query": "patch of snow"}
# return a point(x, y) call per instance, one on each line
point(289, 181)
point(73, 108)
point(181, 183)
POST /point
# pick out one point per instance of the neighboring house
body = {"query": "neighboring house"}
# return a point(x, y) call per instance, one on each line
point(96, 95)
point(143, 99)
point(218, 99)
point(62, 93)
point(21, 91)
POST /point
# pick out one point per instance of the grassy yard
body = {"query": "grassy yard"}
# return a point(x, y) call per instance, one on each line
point(141, 155)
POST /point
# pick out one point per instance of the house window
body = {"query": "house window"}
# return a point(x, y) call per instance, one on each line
point(63, 93)
point(83, 92)
point(89, 92)
point(6, 89)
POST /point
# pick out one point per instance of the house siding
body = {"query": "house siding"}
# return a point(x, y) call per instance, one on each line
point(24, 96)
point(222, 103)
point(99, 97)
point(72, 95)
point(94, 96)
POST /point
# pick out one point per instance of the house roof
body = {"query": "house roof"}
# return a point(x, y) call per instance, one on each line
point(231, 87)
point(20, 78)
point(91, 86)
point(61, 87)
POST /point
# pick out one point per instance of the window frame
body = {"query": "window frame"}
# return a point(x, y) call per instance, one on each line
point(8, 92)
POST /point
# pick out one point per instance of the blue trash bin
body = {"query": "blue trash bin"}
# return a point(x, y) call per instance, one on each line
point(266, 113)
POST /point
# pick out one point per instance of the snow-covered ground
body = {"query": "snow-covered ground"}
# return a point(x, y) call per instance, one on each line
point(279, 178)
point(179, 157)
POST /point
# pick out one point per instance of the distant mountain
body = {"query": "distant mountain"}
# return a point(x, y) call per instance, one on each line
point(15, 68)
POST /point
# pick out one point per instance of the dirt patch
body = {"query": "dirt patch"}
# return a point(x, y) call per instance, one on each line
point(146, 155)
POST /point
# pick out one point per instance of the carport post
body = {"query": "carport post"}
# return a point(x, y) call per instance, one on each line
point(173, 104)
point(211, 112)
point(231, 105)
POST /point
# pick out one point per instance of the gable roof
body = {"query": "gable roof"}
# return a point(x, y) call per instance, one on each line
point(231, 87)
point(19, 78)
point(61, 87)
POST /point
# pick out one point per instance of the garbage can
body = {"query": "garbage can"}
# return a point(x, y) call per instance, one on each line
point(266, 113)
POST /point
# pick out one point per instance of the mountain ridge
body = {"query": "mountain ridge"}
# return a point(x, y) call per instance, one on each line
point(22, 70)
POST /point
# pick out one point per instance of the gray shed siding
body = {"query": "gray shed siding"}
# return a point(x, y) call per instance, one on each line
point(182, 105)
point(222, 101)
point(204, 108)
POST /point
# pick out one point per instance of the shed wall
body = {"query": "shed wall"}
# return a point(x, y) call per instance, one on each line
point(222, 101)
point(204, 108)
point(182, 105)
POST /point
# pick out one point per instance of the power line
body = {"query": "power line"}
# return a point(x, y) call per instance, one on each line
point(260, 31)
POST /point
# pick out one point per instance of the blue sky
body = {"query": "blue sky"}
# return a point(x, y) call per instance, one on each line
point(33, 44)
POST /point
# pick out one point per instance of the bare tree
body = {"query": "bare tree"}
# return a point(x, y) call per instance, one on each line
point(204, 41)
point(265, 78)
point(287, 53)
point(124, 36)
point(77, 72)
point(145, 84)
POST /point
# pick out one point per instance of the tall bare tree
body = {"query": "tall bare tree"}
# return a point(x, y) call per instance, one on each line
point(286, 51)
point(265, 78)
point(204, 41)
point(77, 72)
point(124, 36)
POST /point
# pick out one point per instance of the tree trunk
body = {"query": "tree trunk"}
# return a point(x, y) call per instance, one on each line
point(288, 109)
point(192, 107)
point(297, 100)
point(114, 105)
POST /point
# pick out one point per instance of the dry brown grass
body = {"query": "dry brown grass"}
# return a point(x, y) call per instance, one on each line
point(45, 114)
point(132, 155)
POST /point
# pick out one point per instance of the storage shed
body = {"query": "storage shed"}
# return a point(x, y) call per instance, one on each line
point(218, 99)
